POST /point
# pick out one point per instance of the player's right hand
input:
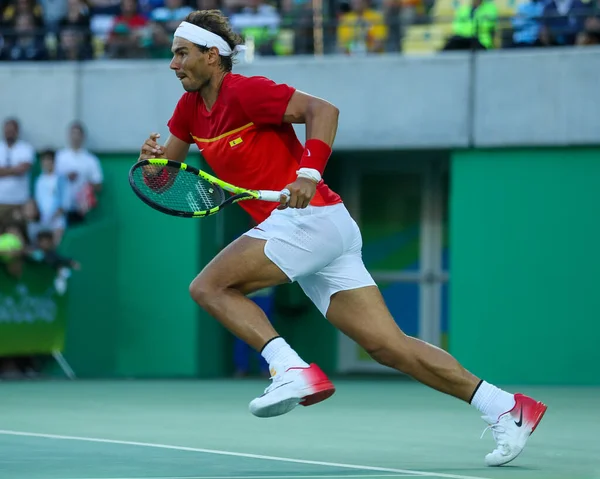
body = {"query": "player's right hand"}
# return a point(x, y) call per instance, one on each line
point(151, 149)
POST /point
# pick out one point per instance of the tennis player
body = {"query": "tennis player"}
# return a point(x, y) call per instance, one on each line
point(243, 127)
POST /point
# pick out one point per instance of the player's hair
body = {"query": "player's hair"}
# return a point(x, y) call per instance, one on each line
point(214, 21)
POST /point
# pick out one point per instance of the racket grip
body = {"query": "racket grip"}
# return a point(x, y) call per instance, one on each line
point(267, 195)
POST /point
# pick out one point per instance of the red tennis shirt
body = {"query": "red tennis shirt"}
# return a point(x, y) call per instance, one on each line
point(244, 139)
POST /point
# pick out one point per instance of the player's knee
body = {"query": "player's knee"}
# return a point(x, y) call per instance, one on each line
point(202, 291)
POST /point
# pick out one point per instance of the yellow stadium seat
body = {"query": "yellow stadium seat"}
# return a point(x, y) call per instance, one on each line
point(425, 39)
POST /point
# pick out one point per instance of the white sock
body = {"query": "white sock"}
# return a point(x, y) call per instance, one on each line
point(280, 352)
point(492, 401)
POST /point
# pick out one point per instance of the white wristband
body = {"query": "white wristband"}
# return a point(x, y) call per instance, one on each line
point(309, 173)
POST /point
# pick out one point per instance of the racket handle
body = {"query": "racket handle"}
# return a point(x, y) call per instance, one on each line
point(273, 196)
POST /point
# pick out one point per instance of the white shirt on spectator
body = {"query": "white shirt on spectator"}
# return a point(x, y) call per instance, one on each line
point(14, 190)
point(52, 194)
point(84, 164)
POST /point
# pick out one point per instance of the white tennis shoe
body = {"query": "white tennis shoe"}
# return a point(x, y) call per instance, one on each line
point(512, 430)
point(291, 387)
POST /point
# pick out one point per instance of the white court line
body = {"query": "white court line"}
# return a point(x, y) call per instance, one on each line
point(237, 454)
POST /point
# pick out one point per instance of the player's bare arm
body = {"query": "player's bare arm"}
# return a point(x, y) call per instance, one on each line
point(321, 119)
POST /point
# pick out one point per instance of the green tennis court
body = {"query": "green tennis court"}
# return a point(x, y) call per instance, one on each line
point(202, 429)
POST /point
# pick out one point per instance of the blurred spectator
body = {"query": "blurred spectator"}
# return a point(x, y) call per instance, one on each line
point(22, 7)
point(591, 33)
point(16, 158)
point(53, 11)
point(51, 197)
point(258, 23)
point(563, 20)
point(72, 45)
point(295, 37)
point(45, 252)
point(83, 171)
point(474, 26)
point(362, 30)
point(213, 5)
point(164, 21)
point(75, 37)
point(171, 15)
point(527, 24)
point(128, 29)
point(102, 17)
point(27, 44)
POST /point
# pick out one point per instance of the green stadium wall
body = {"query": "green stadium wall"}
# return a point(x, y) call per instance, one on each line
point(524, 264)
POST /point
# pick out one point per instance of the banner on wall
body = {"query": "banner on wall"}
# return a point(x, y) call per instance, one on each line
point(32, 314)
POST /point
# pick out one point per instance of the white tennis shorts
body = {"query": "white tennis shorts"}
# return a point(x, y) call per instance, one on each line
point(319, 247)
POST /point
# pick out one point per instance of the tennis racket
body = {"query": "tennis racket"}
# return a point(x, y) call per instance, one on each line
point(179, 189)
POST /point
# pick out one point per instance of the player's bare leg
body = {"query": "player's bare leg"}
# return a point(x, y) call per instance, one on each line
point(241, 268)
point(220, 289)
point(363, 316)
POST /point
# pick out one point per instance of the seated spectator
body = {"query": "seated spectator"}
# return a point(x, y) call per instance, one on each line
point(590, 34)
point(16, 158)
point(22, 7)
point(563, 20)
point(127, 32)
point(171, 15)
point(53, 12)
point(362, 30)
point(30, 216)
point(51, 197)
point(527, 24)
point(158, 41)
point(474, 26)
point(102, 17)
point(260, 22)
point(296, 35)
point(221, 5)
point(77, 24)
point(27, 44)
point(45, 252)
point(164, 22)
point(72, 46)
point(83, 171)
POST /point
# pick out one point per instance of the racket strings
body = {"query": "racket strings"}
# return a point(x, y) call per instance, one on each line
point(176, 189)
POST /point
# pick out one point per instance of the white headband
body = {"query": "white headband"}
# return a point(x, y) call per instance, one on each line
point(204, 38)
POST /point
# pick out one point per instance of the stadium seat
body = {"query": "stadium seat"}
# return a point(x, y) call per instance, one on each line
point(425, 39)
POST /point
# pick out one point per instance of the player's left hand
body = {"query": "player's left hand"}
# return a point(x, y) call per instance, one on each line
point(301, 192)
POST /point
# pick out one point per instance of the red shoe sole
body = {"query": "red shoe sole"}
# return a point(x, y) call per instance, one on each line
point(539, 414)
point(323, 390)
